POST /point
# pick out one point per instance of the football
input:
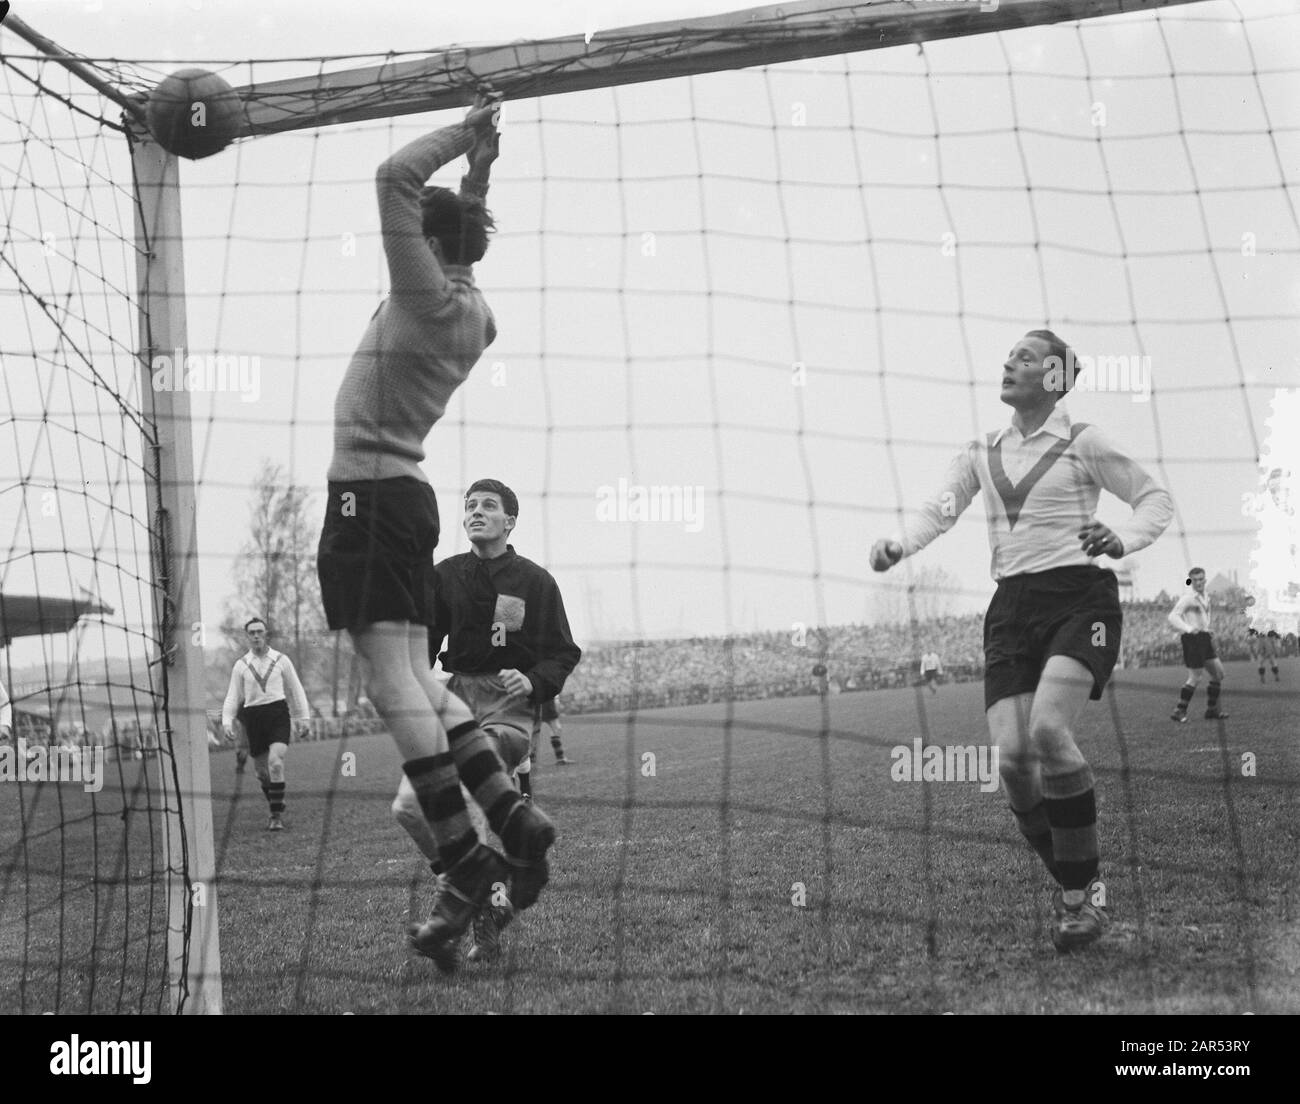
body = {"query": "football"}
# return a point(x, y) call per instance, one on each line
point(194, 114)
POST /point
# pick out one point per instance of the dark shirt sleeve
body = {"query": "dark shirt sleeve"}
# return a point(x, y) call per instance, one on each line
point(441, 626)
point(558, 653)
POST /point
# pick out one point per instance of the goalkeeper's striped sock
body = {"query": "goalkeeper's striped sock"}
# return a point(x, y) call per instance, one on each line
point(1071, 805)
point(483, 774)
point(1185, 696)
point(275, 798)
point(1035, 828)
point(437, 789)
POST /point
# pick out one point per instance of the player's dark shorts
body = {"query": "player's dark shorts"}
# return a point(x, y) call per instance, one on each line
point(375, 559)
point(1198, 649)
point(1067, 611)
point(266, 725)
point(931, 675)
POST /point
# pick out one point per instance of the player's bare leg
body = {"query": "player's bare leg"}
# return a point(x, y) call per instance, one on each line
point(395, 688)
point(1021, 771)
point(526, 833)
point(274, 766)
point(1192, 681)
point(261, 768)
point(1070, 800)
point(1214, 667)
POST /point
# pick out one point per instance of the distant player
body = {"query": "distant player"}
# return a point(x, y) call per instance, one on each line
point(261, 685)
point(1191, 618)
point(1265, 648)
point(931, 669)
point(508, 650)
point(547, 723)
point(1052, 631)
point(1276, 649)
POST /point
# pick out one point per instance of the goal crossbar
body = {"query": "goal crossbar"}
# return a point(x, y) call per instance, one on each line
point(635, 55)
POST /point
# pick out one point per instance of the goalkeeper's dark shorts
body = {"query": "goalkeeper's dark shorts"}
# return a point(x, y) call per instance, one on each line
point(1066, 611)
point(375, 559)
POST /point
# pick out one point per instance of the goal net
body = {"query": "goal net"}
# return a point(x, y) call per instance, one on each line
point(746, 317)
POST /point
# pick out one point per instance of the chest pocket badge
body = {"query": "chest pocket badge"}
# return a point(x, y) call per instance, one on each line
point(509, 612)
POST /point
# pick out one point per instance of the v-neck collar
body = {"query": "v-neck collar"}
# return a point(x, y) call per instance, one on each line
point(1013, 495)
point(262, 680)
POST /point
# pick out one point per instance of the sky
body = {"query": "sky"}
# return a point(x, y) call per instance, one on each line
point(783, 296)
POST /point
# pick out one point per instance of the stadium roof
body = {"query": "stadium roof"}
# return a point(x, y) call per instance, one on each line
point(37, 615)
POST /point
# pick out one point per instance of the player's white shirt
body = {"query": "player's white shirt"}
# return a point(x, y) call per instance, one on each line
point(1191, 613)
point(262, 681)
point(930, 662)
point(1039, 491)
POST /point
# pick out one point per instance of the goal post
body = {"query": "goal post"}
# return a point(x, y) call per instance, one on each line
point(192, 928)
point(125, 862)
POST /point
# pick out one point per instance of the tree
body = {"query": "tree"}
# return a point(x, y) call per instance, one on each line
point(929, 594)
point(275, 578)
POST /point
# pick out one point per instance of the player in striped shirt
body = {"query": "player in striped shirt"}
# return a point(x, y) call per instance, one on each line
point(1052, 631)
point(1190, 617)
point(260, 685)
point(375, 559)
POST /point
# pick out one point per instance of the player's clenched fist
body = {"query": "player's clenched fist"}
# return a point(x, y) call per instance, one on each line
point(884, 554)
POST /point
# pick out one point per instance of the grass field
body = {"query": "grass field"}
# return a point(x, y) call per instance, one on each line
point(673, 892)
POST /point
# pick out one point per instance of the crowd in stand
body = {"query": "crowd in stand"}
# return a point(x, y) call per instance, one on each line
point(842, 658)
point(656, 673)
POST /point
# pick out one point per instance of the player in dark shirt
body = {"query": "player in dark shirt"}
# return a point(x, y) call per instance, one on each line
point(509, 651)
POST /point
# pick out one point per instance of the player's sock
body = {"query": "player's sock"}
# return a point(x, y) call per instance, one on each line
point(1212, 695)
point(266, 791)
point(1276, 676)
point(484, 776)
point(1185, 697)
point(275, 798)
point(437, 789)
point(1035, 828)
point(524, 772)
point(558, 747)
point(1261, 672)
point(1071, 803)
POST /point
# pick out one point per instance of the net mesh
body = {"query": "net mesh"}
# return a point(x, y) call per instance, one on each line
point(745, 320)
point(86, 874)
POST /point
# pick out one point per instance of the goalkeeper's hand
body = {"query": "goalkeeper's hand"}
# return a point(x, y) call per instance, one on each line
point(517, 684)
point(884, 554)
